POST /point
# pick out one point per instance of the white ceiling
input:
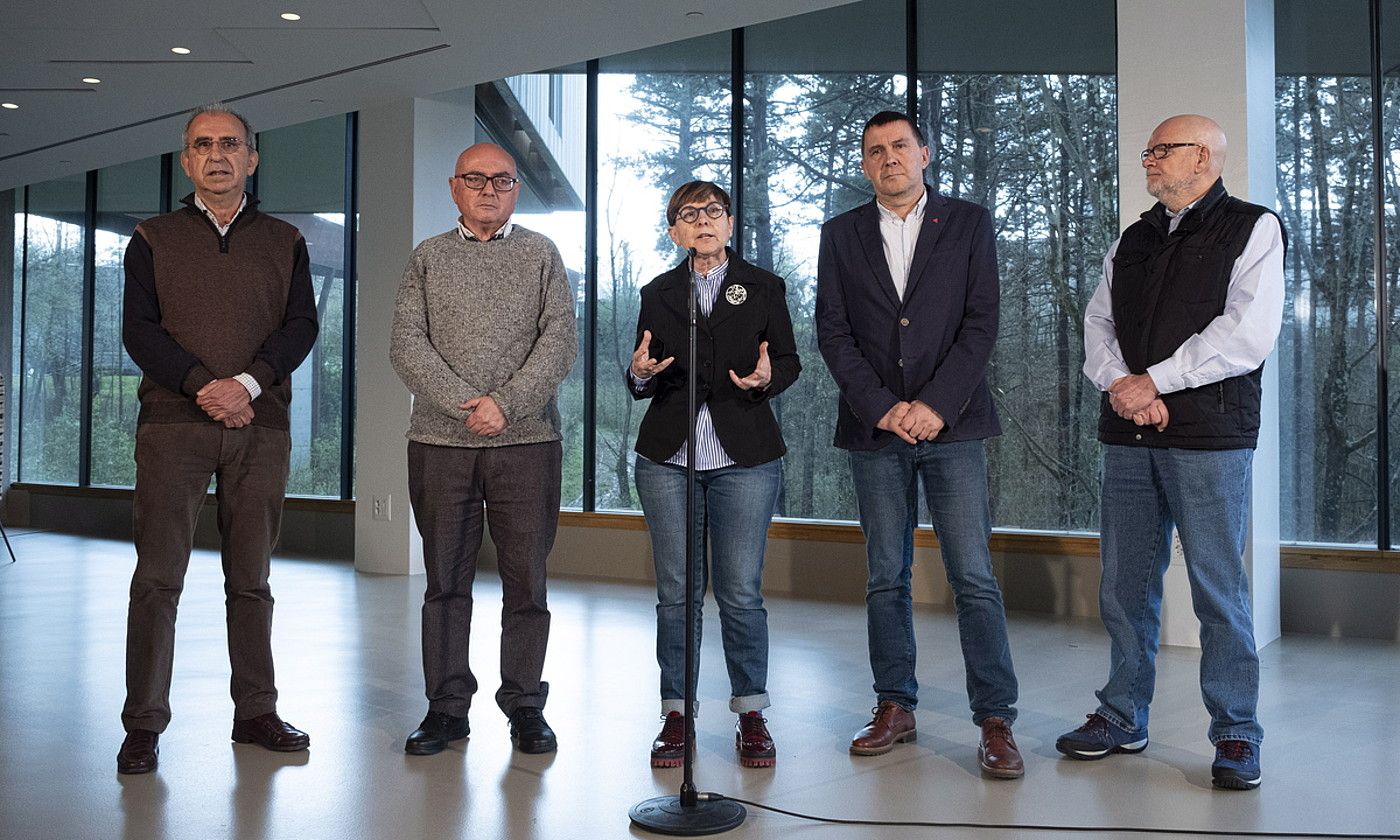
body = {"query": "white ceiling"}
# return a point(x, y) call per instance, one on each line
point(340, 56)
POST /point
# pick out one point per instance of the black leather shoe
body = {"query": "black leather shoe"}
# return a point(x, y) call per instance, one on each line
point(530, 733)
point(434, 733)
point(270, 732)
point(138, 752)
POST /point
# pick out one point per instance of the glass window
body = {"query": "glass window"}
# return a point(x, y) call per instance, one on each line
point(52, 346)
point(126, 194)
point(1326, 352)
point(301, 179)
point(663, 120)
point(1022, 113)
point(807, 96)
point(549, 110)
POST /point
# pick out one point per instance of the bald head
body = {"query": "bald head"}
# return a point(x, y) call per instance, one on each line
point(487, 209)
point(1195, 157)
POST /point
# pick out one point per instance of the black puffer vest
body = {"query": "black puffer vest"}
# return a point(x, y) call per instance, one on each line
point(1166, 288)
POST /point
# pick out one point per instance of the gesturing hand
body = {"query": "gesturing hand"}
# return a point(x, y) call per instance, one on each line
point(762, 373)
point(643, 365)
point(486, 418)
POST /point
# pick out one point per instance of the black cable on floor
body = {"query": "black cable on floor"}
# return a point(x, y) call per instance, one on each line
point(1202, 832)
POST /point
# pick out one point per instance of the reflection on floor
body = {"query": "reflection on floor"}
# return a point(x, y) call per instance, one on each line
point(349, 674)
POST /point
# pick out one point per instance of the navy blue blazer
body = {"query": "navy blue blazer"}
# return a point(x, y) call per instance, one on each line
point(934, 345)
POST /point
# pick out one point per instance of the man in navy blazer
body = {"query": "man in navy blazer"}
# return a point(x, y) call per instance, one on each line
point(907, 300)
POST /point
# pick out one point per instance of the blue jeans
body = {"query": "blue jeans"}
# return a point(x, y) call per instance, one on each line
point(733, 506)
point(1205, 494)
point(954, 477)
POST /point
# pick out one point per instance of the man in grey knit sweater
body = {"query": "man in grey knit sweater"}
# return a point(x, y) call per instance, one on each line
point(483, 334)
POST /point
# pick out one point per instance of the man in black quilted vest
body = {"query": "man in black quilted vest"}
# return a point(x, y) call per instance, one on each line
point(218, 310)
point(1176, 336)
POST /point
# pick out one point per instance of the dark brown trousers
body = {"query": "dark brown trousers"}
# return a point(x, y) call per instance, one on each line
point(174, 462)
point(518, 487)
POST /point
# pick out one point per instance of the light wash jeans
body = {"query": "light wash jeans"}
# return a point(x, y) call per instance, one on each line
point(733, 506)
point(1205, 495)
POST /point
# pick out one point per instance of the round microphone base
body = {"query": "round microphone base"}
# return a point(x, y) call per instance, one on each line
point(666, 815)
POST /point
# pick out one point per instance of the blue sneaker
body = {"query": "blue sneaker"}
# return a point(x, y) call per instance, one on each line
point(1236, 766)
point(1099, 738)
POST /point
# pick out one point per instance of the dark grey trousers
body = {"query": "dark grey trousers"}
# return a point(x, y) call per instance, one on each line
point(518, 486)
point(174, 462)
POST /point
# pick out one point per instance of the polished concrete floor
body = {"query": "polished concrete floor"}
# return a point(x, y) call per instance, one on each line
point(349, 674)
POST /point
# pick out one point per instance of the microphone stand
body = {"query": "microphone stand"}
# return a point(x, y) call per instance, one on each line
point(686, 814)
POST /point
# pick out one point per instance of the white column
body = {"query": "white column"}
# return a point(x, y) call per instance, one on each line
point(407, 148)
point(1228, 75)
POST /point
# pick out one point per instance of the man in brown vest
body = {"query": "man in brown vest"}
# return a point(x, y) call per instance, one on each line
point(218, 312)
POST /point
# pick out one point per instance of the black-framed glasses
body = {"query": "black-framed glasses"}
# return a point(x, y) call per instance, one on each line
point(227, 145)
point(689, 214)
point(477, 181)
point(1161, 150)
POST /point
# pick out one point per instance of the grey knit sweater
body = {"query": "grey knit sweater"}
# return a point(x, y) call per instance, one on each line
point(484, 318)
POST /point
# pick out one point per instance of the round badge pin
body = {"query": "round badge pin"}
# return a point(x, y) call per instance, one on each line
point(736, 294)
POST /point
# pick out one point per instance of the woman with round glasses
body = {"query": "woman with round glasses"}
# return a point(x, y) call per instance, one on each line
point(745, 356)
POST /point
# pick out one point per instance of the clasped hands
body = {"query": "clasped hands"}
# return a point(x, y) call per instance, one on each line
point(645, 367)
point(912, 421)
point(1134, 397)
point(226, 401)
point(484, 416)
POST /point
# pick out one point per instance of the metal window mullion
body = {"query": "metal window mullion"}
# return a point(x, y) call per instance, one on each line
point(736, 133)
point(349, 279)
point(590, 293)
point(1382, 313)
point(20, 388)
point(911, 59)
point(88, 315)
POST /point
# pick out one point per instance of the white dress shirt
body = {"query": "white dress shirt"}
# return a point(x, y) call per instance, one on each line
point(1235, 342)
point(223, 229)
point(900, 236)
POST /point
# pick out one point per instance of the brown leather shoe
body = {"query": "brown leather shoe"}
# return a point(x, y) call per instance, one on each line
point(668, 750)
point(138, 752)
point(753, 742)
point(893, 724)
point(271, 732)
point(997, 750)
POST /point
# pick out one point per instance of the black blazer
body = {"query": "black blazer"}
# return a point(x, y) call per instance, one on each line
point(932, 346)
point(727, 340)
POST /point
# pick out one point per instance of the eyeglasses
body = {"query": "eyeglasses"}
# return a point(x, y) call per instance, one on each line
point(227, 145)
point(1161, 150)
point(477, 181)
point(714, 210)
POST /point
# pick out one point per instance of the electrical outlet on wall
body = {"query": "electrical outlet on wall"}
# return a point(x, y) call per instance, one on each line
point(383, 508)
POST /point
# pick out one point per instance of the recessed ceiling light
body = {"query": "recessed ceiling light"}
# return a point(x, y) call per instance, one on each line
point(694, 15)
point(290, 16)
point(318, 102)
point(8, 105)
point(180, 50)
point(91, 80)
